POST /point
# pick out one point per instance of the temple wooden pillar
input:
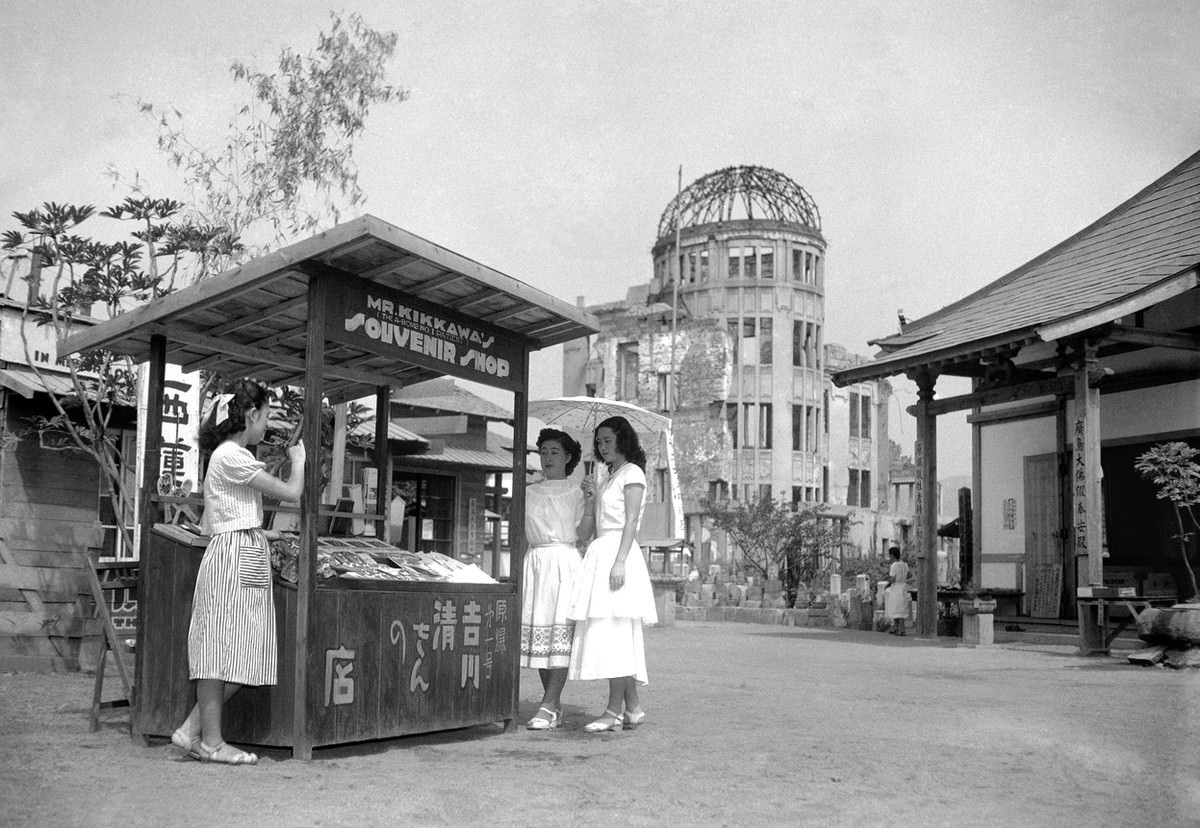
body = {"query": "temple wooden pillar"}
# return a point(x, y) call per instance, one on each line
point(926, 506)
point(1086, 505)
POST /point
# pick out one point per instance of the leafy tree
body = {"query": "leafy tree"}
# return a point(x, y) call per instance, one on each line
point(286, 165)
point(771, 537)
point(876, 567)
point(284, 429)
point(69, 275)
point(1173, 468)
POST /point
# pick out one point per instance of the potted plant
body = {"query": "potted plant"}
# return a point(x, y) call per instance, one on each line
point(1173, 468)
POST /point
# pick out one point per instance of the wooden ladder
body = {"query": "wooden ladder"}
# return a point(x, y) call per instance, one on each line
point(105, 579)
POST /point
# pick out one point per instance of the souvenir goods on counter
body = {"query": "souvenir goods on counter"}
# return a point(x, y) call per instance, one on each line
point(373, 560)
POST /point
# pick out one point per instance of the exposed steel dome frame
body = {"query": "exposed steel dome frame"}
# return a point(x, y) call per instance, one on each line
point(744, 192)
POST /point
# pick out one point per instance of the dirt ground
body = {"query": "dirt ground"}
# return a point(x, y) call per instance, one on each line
point(747, 725)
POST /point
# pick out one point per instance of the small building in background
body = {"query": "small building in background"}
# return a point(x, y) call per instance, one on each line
point(456, 492)
point(54, 502)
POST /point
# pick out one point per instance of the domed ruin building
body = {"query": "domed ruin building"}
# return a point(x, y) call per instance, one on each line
point(728, 339)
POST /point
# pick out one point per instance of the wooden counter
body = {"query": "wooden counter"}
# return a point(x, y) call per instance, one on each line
point(389, 658)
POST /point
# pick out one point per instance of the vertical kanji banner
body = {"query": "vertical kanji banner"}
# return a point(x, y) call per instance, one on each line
point(179, 454)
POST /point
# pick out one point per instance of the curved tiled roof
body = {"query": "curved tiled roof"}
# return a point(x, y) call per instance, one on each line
point(1140, 253)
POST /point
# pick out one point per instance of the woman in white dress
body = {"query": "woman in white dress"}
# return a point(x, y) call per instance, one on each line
point(554, 509)
point(613, 597)
point(895, 599)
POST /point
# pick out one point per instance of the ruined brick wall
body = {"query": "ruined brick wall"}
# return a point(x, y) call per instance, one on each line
point(702, 444)
point(703, 376)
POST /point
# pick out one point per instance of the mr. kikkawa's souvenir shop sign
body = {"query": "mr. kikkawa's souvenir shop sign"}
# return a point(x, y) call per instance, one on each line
point(395, 324)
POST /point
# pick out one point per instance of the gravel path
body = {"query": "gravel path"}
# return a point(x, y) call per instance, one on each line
point(748, 725)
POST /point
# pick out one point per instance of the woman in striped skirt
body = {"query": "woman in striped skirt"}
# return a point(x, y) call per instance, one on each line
point(232, 640)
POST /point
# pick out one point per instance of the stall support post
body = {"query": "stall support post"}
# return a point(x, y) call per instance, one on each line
point(383, 457)
point(310, 503)
point(157, 367)
point(497, 497)
point(516, 516)
point(337, 469)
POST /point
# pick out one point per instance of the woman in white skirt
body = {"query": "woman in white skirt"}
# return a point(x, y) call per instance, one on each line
point(613, 597)
point(554, 511)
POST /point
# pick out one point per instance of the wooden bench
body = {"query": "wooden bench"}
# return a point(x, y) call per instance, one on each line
point(1111, 624)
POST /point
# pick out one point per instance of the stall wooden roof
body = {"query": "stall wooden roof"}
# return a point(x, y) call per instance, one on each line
point(251, 321)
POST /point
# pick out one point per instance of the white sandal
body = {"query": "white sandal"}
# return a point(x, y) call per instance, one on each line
point(610, 721)
point(190, 745)
point(226, 754)
point(540, 722)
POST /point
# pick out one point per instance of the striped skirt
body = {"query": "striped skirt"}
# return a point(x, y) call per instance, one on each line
point(232, 634)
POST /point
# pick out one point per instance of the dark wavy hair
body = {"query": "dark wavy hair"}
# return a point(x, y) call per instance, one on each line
point(627, 441)
point(568, 443)
point(247, 396)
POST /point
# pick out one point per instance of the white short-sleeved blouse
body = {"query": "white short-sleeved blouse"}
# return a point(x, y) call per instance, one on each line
point(610, 507)
point(230, 503)
point(553, 509)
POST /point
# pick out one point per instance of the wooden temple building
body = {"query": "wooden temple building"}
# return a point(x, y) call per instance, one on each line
point(1079, 360)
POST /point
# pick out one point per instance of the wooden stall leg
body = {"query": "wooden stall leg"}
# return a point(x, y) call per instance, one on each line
point(98, 688)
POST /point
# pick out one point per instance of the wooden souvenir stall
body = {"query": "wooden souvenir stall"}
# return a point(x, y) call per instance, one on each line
point(349, 313)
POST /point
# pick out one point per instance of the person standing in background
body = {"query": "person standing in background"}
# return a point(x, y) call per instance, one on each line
point(895, 603)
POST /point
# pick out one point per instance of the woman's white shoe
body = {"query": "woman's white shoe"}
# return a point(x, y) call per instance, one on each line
point(610, 721)
point(544, 719)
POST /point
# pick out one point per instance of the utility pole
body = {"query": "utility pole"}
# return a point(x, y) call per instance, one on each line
point(678, 527)
point(675, 294)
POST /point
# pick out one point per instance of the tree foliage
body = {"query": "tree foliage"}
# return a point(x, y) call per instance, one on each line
point(286, 164)
point(68, 275)
point(1173, 468)
point(773, 538)
point(876, 567)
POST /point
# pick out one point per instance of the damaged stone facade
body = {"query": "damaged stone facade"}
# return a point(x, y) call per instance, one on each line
point(728, 339)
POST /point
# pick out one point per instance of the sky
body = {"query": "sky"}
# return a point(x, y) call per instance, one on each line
point(944, 143)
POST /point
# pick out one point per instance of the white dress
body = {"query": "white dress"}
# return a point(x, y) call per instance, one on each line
point(895, 598)
point(553, 509)
point(608, 632)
